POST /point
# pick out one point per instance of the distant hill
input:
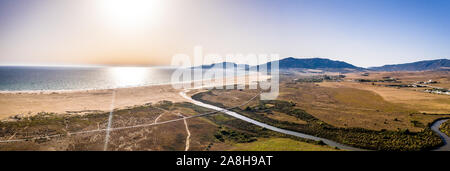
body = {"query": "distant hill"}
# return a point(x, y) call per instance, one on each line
point(296, 63)
point(416, 66)
point(224, 65)
point(314, 63)
point(339, 66)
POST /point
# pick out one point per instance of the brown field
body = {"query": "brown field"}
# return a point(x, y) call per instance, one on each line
point(443, 77)
point(415, 100)
point(350, 104)
point(412, 98)
point(352, 107)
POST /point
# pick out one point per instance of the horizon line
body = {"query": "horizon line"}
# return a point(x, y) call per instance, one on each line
point(170, 66)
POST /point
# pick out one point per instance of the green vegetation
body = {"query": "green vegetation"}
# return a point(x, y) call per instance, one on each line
point(48, 124)
point(237, 132)
point(388, 79)
point(445, 127)
point(319, 78)
point(280, 144)
point(227, 134)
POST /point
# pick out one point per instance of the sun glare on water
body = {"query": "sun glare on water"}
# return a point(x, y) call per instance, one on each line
point(129, 76)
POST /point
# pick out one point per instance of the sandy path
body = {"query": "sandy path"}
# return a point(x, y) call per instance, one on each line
point(188, 137)
point(156, 120)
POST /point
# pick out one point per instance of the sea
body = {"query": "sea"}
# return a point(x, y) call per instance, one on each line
point(38, 78)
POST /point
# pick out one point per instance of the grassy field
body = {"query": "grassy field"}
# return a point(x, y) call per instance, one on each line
point(279, 144)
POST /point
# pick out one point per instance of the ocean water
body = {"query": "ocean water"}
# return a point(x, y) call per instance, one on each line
point(14, 78)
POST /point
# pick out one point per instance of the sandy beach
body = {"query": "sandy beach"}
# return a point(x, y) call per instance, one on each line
point(86, 101)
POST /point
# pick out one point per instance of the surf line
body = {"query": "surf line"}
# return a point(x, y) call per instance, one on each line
point(108, 129)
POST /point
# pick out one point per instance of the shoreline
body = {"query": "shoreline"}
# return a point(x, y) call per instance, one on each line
point(79, 102)
point(100, 89)
point(76, 90)
point(48, 91)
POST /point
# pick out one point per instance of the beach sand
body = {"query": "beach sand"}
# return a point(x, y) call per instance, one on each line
point(86, 101)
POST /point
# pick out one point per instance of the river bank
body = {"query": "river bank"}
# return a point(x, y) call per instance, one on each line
point(445, 138)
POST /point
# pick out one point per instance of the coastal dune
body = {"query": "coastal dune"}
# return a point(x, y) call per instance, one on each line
point(23, 104)
point(79, 102)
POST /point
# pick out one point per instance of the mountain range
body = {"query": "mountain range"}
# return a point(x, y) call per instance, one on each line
point(416, 66)
point(332, 65)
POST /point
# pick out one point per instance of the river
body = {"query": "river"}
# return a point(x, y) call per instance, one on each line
point(434, 127)
point(293, 133)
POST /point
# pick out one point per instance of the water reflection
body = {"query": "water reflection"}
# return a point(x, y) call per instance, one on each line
point(83, 78)
point(130, 76)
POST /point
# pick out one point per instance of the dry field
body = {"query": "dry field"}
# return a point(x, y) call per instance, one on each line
point(352, 107)
point(171, 136)
point(414, 100)
point(350, 104)
point(443, 77)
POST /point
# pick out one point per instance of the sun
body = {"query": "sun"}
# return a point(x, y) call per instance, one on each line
point(130, 14)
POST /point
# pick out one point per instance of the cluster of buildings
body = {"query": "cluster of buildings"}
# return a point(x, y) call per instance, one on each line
point(438, 91)
point(426, 82)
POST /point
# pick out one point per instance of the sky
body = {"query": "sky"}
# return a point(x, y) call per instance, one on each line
point(149, 32)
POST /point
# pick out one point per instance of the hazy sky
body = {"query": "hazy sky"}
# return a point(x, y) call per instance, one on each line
point(149, 32)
